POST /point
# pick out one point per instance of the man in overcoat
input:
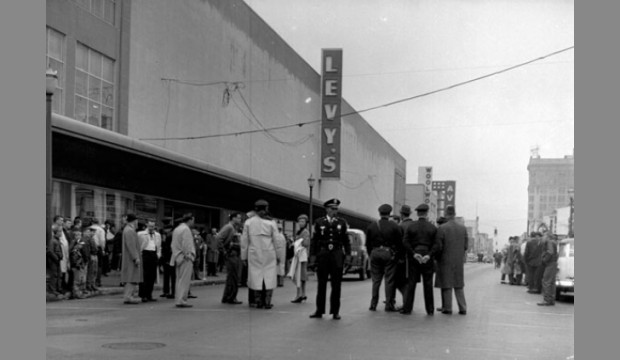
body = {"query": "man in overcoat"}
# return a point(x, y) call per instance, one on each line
point(131, 266)
point(533, 261)
point(550, 266)
point(452, 244)
point(258, 248)
point(330, 251)
point(183, 256)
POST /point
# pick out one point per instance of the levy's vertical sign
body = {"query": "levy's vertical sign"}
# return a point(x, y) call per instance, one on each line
point(331, 101)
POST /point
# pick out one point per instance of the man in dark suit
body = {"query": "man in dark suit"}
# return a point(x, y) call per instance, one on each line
point(384, 244)
point(330, 250)
point(533, 260)
point(419, 241)
point(452, 243)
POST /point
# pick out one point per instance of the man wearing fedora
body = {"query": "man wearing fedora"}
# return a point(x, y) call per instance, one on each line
point(330, 251)
point(452, 243)
point(131, 267)
point(419, 240)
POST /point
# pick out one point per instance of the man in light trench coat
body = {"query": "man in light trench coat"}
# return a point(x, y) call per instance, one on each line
point(183, 256)
point(452, 243)
point(131, 265)
point(258, 248)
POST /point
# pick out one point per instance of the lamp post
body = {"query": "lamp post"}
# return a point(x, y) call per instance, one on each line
point(311, 181)
point(51, 80)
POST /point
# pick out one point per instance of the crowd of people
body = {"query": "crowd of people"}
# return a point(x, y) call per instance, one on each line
point(531, 262)
point(257, 254)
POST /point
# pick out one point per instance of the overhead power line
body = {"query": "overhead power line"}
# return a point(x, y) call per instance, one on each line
point(357, 111)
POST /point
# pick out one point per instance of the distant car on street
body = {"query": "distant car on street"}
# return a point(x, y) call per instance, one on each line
point(360, 263)
point(565, 278)
point(471, 257)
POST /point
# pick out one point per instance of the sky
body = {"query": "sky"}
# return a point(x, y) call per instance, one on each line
point(480, 134)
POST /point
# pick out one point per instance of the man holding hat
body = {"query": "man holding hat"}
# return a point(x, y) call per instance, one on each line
point(330, 250)
point(258, 248)
point(131, 267)
point(384, 242)
point(419, 240)
point(452, 243)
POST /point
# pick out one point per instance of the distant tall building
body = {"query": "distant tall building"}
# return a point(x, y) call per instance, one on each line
point(550, 182)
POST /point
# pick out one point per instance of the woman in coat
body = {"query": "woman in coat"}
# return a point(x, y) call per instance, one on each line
point(258, 248)
point(299, 265)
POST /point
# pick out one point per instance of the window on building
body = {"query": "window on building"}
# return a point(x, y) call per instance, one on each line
point(103, 9)
point(55, 59)
point(94, 88)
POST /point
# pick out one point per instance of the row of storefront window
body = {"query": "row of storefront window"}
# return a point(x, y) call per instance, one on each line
point(90, 202)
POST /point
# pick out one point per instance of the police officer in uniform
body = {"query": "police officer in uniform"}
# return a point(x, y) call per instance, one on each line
point(330, 251)
point(384, 243)
point(419, 240)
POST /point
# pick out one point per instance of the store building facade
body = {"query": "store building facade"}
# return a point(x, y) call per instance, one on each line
point(163, 107)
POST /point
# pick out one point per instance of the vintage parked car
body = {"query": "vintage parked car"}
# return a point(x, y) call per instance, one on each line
point(360, 263)
point(565, 278)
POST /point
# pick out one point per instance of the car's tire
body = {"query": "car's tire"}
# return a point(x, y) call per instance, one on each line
point(558, 294)
point(362, 274)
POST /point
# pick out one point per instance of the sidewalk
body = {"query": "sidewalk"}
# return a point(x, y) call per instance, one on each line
point(111, 284)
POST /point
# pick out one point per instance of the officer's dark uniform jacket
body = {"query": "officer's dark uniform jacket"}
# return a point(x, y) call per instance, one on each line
point(329, 237)
point(419, 238)
point(385, 234)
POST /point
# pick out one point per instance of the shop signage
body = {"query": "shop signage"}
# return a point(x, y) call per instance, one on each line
point(331, 101)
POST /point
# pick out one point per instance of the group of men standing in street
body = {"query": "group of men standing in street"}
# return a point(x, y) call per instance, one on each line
point(417, 249)
point(539, 261)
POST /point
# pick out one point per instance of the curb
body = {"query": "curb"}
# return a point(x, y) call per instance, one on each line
point(119, 290)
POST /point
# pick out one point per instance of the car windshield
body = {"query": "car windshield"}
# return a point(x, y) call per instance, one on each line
point(355, 240)
point(567, 250)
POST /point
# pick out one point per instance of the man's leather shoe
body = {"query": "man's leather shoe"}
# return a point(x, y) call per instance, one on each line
point(151, 299)
point(405, 312)
point(131, 302)
point(268, 306)
point(430, 313)
point(235, 302)
point(145, 300)
point(390, 309)
point(447, 312)
point(191, 296)
point(462, 312)
point(316, 316)
point(439, 309)
point(184, 305)
point(170, 296)
point(373, 308)
point(336, 317)
point(163, 295)
point(545, 304)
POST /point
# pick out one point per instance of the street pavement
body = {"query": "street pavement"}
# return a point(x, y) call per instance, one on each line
point(502, 322)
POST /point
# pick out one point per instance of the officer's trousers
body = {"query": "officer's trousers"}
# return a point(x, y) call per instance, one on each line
point(329, 266)
point(424, 272)
point(383, 264)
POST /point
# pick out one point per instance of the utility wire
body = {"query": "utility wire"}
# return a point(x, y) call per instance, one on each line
point(367, 109)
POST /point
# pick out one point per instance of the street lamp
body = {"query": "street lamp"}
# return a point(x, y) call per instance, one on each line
point(51, 82)
point(311, 181)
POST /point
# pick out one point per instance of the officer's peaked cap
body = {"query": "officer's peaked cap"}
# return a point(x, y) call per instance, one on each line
point(385, 209)
point(422, 208)
point(332, 202)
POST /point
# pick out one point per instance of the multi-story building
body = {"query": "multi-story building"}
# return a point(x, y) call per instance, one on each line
point(550, 184)
point(163, 107)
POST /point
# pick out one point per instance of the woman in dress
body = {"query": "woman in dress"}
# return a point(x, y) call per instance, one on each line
point(298, 271)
